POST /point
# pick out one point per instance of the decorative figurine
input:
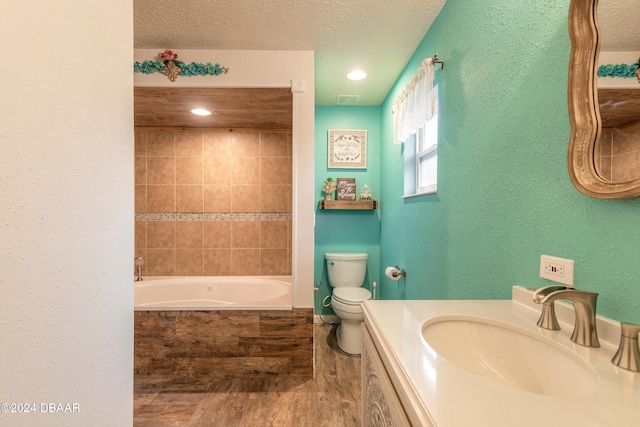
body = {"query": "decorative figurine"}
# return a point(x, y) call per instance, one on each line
point(365, 193)
point(329, 188)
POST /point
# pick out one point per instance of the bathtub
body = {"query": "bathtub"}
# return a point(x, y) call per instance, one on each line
point(220, 327)
point(213, 293)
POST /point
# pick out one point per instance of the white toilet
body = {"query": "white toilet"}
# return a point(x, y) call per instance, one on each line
point(346, 277)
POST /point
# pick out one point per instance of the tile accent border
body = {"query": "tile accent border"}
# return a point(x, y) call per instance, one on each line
point(212, 216)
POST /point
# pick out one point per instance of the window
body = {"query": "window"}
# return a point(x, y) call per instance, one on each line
point(421, 156)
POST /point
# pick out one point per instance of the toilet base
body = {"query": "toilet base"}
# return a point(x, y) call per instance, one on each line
point(349, 335)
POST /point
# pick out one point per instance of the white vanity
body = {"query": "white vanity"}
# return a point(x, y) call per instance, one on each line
point(500, 368)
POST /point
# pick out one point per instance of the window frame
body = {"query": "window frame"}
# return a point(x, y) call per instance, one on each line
point(421, 151)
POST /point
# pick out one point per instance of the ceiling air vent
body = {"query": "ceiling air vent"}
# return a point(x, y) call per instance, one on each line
point(348, 100)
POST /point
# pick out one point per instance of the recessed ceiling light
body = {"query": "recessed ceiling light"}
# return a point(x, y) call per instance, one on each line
point(201, 112)
point(356, 75)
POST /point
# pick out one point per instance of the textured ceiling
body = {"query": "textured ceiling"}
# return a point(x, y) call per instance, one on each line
point(619, 22)
point(378, 36)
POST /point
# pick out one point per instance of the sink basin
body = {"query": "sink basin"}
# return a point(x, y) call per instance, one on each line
point(510, 355)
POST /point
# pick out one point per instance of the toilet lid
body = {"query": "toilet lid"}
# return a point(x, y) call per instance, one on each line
point(351, 295)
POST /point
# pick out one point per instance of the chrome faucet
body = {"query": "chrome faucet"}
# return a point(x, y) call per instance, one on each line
point(584, 304)
point(139, 262)
point(628, 354)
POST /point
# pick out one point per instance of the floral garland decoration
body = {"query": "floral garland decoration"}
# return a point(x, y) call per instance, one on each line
point(168, 65)
point(620, 70)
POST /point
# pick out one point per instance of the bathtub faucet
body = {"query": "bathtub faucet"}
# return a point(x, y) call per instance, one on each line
point(584, 304)
point(139, 262)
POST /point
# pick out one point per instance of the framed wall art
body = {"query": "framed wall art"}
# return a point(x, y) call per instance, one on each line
point(347, 149)
point(346, 189)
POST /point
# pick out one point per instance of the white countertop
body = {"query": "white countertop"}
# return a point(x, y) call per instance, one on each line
point(443, 394)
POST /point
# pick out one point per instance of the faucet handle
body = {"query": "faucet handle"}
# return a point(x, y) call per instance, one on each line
point(139, 262)
point(547, 318)
point(628, 354)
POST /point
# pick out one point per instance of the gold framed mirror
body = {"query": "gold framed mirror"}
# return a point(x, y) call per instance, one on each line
point(585, 143)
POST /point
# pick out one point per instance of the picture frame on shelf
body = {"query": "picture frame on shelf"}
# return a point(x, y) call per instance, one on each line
point(346, 189)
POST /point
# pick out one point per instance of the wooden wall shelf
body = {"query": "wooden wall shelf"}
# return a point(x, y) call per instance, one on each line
point(362, 205)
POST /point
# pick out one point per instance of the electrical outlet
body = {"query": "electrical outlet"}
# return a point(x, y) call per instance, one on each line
point(557, 269)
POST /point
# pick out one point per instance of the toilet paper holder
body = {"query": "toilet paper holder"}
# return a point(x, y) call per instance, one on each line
point(395, 273)
point(402, 272)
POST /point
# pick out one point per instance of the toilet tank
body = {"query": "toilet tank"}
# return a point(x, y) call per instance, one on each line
point(346, 269)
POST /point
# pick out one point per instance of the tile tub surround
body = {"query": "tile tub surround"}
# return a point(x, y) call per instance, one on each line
point(213, 202)
point(618, 153)
point(223, 344)
point(431, 386)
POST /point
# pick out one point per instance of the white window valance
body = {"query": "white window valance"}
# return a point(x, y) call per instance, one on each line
point(415, 105)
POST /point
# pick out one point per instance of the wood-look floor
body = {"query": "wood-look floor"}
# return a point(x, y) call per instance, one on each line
point(332, 399)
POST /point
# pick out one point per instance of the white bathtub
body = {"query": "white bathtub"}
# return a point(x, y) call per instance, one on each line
point(213, 293)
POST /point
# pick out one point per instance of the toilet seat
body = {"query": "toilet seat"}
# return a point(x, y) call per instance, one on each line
point(351, 296)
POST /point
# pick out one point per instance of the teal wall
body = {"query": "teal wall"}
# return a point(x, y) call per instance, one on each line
point(504, 194)
point(347, 231)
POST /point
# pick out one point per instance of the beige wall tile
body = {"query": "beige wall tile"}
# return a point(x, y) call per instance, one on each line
point(161, 234)
point(189, 234)
point(140, 143)
point(160, 198)
point(189, 198)
point(274, 262)
point(626, 138)
point(199, 179)
point(217, 234)
point(217, 144)
point(217, 262)
point(140, 198)
point(245, 198)
point(274, 234)
point(605, 143)
point(160, 170)
point(217, 198)
point(274, 144)
point(140, 240)
point(189, 170)
point(625, 167)
point(188, 143)
point(217, 170)
point(624, 163)
point(245, 144)
point(189, 262)
point(160, 143)
point(245, 234)
point(245, 262)
point(160, 262)
point(603, 166)
point(140, 170)
point(275, 170)
point(275, 198)
point(245, 170)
